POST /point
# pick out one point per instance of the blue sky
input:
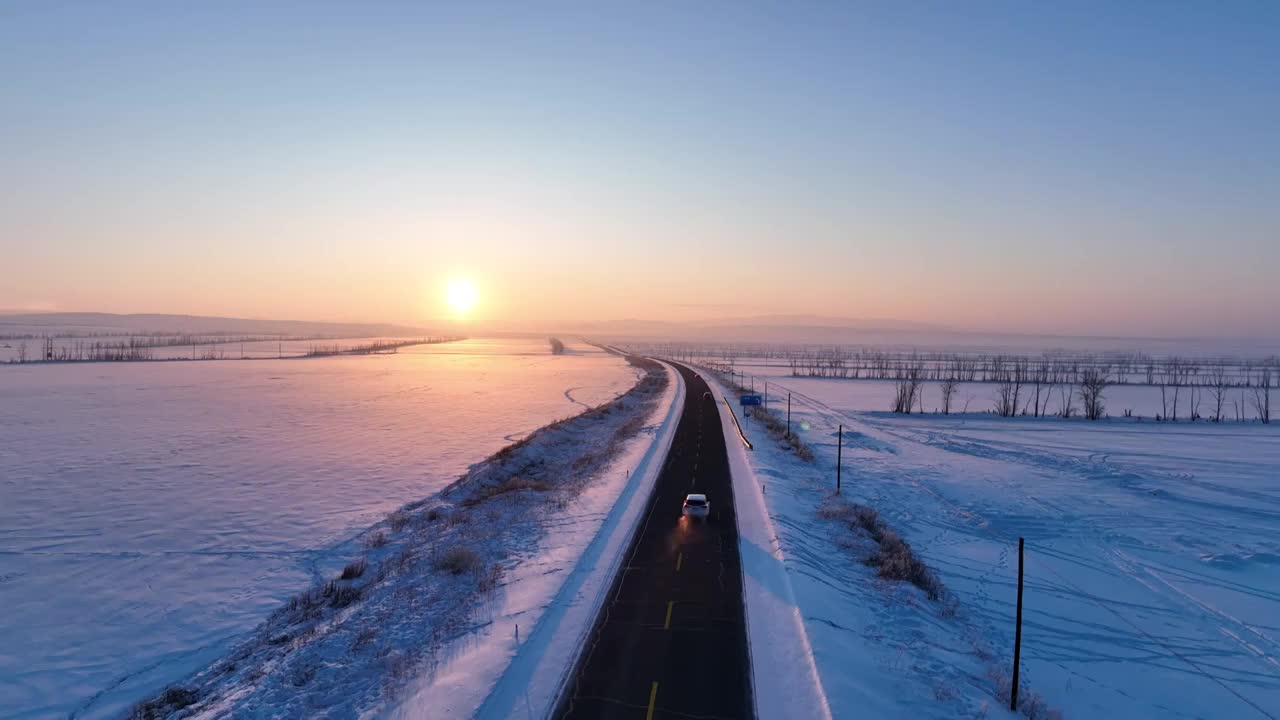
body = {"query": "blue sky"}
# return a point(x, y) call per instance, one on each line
point(1077, 167)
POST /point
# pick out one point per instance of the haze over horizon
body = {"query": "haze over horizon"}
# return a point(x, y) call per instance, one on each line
point(1085, 170)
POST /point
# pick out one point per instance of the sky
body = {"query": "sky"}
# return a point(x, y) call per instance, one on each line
point(1077, 168)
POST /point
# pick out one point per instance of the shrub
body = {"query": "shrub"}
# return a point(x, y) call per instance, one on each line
point(173, 698)
point(777, 428)
point(302, 607)
point(354, 569)
point(457, 560)
point(489, 581)
point(511, 484)
point(1031, 704)
point(893, 557)
point(340, 595)
point(895, 560)
point(376, 540)
point(398, 520)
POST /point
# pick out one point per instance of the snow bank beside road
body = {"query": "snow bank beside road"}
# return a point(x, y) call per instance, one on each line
point(536, 677)
point(784, 677)
point(553, 594)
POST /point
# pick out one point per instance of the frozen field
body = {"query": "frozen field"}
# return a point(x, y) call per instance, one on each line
point(1153, 559)
point(153, 511)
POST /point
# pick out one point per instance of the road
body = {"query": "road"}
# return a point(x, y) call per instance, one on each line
point(671, 641)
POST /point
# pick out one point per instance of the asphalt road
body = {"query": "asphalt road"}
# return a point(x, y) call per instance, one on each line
point(671, 642)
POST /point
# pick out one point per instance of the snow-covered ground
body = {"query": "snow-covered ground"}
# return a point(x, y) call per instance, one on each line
point(526, 641)
point(1153, 559)
point(153, 512)
point(432, 593)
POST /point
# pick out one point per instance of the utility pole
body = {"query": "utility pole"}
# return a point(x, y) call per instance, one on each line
point(1017, 637)
point(839, 452)
point(788, 414)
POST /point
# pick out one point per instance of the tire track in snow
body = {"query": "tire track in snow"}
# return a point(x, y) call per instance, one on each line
point(568, 394)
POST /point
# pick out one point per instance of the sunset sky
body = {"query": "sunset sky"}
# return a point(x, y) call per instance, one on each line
point(1091, 168)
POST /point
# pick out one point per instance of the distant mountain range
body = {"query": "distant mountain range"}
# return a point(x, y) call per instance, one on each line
point(194, 324)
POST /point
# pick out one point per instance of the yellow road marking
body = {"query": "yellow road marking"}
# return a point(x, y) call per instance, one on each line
point(679, 559)
point(667, 625)
point(653, 695)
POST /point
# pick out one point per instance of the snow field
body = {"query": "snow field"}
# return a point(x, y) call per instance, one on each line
point(1152, 583)
point(154, 512)
point(420, 593)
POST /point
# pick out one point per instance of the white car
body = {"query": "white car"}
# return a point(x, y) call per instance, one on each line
point(697, 505)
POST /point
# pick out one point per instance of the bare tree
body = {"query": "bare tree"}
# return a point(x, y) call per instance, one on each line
point(1218, 390)
point(1262, 392)
point(1005, 406)
point(1039, 375)
point(1009, 385)
point(1065, 395)
point(1164, 397)
point(907, 388)
point(22, 352)
point(1093, 381)
point(1174, 377)
point(948, 388)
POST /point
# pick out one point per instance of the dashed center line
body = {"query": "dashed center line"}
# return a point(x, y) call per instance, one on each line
point(667, 625)
point(653, 696)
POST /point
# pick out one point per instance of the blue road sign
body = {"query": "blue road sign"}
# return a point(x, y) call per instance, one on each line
point(752, 399)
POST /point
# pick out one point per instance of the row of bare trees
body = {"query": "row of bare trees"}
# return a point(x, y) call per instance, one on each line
point(1054, 367)
point(376, 347)
point(1028, 393)
point(1191, 389)
point(143, 349)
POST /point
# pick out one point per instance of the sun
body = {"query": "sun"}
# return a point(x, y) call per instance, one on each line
point(460, 294)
